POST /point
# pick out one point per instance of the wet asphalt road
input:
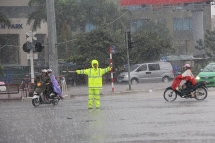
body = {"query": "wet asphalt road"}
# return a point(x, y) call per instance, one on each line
point(131, 118)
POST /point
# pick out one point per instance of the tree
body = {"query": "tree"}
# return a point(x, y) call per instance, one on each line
point(151, 41)
point(4, 19)
point(208, 44)
point(72, 15)
point(1, 70)
point(95, 45)
point(64, 12)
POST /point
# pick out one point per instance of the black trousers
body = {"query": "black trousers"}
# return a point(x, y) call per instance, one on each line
point(188, 89)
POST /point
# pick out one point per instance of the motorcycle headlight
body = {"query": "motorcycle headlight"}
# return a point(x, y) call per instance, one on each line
point(197, 78)
point(38, 84)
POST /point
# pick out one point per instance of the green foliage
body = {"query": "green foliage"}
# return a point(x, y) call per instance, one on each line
point(1, 70)
point(208, 44)
point(4, 19)
point(72, 15)
point(152, 40)
point(95, 45)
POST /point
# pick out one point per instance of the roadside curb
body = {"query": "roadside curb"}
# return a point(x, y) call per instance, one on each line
point(120, 92)
point(109, 93)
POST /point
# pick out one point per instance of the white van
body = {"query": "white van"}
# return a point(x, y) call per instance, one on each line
point(161, 71)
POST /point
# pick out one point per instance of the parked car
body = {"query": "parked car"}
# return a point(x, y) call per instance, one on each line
point(2, 86)
point(207, 74)
point(162, 71)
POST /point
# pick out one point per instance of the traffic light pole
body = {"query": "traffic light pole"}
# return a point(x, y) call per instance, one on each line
point(32, 65)
point(129, 78)
point(31, 54)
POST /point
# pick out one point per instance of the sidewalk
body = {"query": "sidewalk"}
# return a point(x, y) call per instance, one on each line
point(82, 90)
point(119, 88)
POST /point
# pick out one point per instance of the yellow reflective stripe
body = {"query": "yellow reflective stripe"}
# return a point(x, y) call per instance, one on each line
point(98, 76)
point(82, 72)
point(99, 72)
point(94, 86)
point(94, 76)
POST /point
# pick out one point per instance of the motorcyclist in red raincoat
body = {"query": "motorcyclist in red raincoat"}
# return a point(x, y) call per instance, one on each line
point(189, 81)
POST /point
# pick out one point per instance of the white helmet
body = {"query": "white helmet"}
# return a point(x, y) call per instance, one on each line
point(187, 65)
point(44, 70)
point(49, 70)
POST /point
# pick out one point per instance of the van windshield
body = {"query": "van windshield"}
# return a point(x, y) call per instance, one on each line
point(133, 67)
point(209, 68)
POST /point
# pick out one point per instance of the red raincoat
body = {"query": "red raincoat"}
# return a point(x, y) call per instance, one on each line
point(179, 78)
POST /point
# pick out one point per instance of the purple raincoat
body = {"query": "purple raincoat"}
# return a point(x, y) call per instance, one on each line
point(55, 85)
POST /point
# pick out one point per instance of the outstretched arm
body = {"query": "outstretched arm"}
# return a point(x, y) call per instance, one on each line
point(107, 69)
point(83, 71)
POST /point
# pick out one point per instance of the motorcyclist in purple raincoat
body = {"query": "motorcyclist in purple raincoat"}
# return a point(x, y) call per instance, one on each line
point(56, 87)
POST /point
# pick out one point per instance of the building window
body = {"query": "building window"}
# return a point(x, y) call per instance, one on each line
point(135, 7)
point(9, 49)
point(135, 24)
point(86, 27)
point(182, 23)
point(89, 27)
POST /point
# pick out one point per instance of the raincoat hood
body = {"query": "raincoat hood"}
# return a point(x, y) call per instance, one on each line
point(95, 62)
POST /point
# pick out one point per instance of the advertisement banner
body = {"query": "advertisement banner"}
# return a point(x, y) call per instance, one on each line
point(155, 2)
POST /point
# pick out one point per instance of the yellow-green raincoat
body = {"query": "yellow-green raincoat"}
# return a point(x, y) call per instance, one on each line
point(94, 83)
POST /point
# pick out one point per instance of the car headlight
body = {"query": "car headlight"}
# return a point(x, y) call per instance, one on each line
point(197, 78)
point(126, 75)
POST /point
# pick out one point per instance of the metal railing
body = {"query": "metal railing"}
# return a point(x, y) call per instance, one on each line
point(26, 88)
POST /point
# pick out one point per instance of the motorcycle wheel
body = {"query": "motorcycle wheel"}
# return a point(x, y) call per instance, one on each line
point(200, 93)
point(169, 95)
point(36, 102)
point(55, 101)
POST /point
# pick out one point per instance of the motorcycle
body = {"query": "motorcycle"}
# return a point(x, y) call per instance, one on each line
point(199, 90)
point(51, 96)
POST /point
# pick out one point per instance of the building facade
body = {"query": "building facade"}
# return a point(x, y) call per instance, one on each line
point(180, 21)
point(13, 37)
point(186, 22)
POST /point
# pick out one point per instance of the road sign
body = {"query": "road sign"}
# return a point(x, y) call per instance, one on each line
point(113, 49)
point(31, 36)
point(35, 56)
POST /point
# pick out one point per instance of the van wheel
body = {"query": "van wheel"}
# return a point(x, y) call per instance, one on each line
point(165, 79)
point(134, 81)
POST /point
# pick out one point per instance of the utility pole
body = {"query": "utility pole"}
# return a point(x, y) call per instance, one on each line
point(52, 40)
point(127, 47)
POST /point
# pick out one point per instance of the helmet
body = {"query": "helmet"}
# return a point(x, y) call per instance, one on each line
point(187, 65)
point(49, 70)
point(44, 70)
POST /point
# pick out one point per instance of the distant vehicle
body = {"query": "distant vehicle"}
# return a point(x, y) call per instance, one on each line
point(144, 72)
point(2, 86)
point(207, 74)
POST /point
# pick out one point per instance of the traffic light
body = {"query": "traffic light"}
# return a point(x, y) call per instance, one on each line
point(25, 47)
point(39, 47)
point(129, 40)
point(208, 1)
